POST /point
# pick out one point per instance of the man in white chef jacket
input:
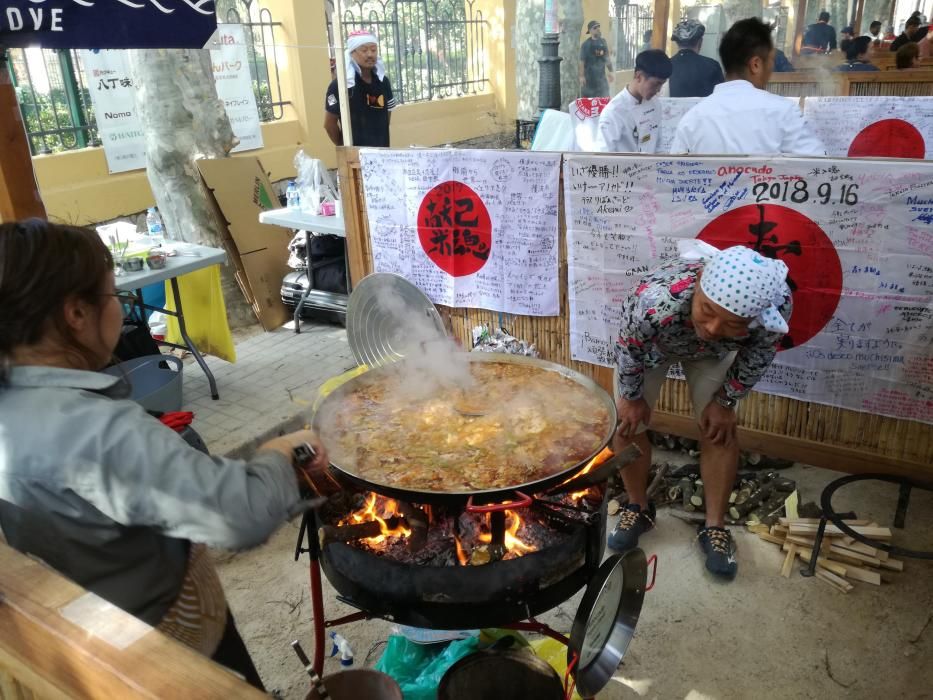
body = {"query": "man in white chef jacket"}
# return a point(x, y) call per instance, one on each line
point(741, 117)
point(632, 119)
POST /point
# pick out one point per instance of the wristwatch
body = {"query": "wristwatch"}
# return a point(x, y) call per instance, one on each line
point(725, 400)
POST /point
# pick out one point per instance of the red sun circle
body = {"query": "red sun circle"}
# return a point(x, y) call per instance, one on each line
point(454, 228)
point(888, 138)
point(814, 269)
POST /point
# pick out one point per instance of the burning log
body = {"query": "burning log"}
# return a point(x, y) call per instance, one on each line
point(417, 520)
point(358, 531)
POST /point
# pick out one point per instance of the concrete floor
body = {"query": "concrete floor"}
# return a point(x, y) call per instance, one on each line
point(760, 636)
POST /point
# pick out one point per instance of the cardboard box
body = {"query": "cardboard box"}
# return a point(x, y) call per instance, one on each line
point(241, 191)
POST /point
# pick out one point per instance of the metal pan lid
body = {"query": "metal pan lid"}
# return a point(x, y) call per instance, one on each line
point(388, 317)
point(605, 622)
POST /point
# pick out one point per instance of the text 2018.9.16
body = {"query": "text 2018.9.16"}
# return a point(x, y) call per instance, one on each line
point(798, 192)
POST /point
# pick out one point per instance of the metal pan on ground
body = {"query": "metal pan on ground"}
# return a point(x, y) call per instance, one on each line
point(387, 317)
point(605, 622)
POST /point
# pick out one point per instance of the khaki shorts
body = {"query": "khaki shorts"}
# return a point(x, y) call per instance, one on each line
point(704, 377)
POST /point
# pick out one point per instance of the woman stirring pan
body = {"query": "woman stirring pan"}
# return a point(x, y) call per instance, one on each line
point(93, 485)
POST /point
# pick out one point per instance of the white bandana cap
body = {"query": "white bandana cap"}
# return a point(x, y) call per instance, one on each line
point(742, 281)
point(354, 41)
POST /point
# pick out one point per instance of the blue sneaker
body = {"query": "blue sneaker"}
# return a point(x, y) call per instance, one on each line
point(719, 548)
point(632, 523)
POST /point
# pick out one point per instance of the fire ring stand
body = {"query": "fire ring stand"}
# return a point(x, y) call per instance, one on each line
point(829, 515)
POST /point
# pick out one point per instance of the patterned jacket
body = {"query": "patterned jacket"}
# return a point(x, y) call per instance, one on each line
point(657, 329)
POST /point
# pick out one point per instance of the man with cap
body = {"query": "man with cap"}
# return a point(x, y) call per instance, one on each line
point(819, 37)
point(721, 314)
point(595, 63)
point(694, 75)
point(369, 93)
point(629, 124)
point(741, 116)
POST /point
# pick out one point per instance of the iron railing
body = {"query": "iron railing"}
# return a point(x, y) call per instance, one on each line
point(432, 48)
point(55, 102)
point(261, 46)
point(633, 32)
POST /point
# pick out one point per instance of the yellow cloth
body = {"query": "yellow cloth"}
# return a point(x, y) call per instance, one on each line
point(205, 313)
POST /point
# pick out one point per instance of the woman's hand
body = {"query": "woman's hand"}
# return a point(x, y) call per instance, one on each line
point(631, 414)
point(286, 445)
point(718, 424)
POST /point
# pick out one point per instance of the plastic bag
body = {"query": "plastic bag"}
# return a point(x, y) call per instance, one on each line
point(555, 654)
point(498, 340)
point(418, 668)
point(314, 183)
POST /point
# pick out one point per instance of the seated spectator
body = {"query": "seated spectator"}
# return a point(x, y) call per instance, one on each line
point(857, 55)
point(911, 29)
point(741, 116)
point(874, 32)
point(847, 34)
point(694, 75)
point(908, 57)
point(781, 63)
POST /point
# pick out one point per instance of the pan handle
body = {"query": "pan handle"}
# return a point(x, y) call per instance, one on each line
point(523, 501)
point(653, 563)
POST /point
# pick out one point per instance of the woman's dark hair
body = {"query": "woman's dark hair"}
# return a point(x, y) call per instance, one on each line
point(905, 55)
point(745, 39)
point(856, 47)
point(41, 265)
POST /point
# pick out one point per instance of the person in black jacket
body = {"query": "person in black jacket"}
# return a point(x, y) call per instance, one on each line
point(819, 37)
point(694, 75)
point(910, 33)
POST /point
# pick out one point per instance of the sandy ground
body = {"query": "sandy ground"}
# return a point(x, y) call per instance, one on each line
point(759, 636)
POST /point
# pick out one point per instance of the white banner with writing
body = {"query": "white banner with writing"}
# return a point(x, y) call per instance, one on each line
point(470, 228)
point(883, 127)
point(857, 237)
point(107, 75)
point(113, 94)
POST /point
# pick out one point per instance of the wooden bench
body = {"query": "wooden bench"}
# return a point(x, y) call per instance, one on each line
point(827, 83)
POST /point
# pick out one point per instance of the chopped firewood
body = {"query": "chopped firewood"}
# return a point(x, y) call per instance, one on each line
point(806, 554)
point(733, 496)
point(878, 533)
point(840, 584)
point(857, 573)
point(892, 564)
point(789, 561)
point(358, 531)
point(658, 479)
point(759, 528)
point(770, 538)
point(612, 507)
point(782, 529)
point(739, 510)
point(697, 498)
point(874, 561)
point(863, 548)
point(816, 521)
point(686, 491)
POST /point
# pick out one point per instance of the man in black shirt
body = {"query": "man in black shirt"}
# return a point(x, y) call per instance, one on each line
point(369, 92)
point(594, 62)
point(694, 75)
point(910, 33)
point(819, 37)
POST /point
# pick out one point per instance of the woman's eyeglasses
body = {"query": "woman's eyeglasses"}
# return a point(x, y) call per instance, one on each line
point(127, 299)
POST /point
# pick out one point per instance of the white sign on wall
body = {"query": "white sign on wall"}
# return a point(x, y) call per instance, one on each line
point(470, 228)
point(113, 94)
point(857, 237)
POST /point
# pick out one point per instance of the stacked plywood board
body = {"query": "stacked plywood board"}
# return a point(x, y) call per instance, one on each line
point(841, 559)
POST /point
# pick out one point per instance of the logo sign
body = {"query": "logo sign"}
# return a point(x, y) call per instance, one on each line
point(455, 229)
point(107, 24)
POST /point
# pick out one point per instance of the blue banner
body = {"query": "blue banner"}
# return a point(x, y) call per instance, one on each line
point(106, 24)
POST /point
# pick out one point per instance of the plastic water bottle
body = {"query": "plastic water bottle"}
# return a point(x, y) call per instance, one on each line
point(154, 226)
point(292, 198)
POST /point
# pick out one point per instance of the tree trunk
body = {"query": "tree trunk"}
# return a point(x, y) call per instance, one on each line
point(184, 121)
point(529, 28)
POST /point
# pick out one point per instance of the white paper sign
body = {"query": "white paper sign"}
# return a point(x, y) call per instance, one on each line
point(470, 228)
point(673, 110)
point(235, 85)
point(114, 97)
point(888, 127)
point(856, 235)
point(107, 75)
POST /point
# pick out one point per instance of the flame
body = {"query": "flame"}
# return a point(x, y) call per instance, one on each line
point(461, 554)
point(513, 523)
point(603, 456)
point(370, 512)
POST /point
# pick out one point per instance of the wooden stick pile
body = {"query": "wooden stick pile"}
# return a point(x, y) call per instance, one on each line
point(841, 559)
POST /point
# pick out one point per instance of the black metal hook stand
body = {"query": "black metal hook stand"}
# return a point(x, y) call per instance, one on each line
point(905, 486)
